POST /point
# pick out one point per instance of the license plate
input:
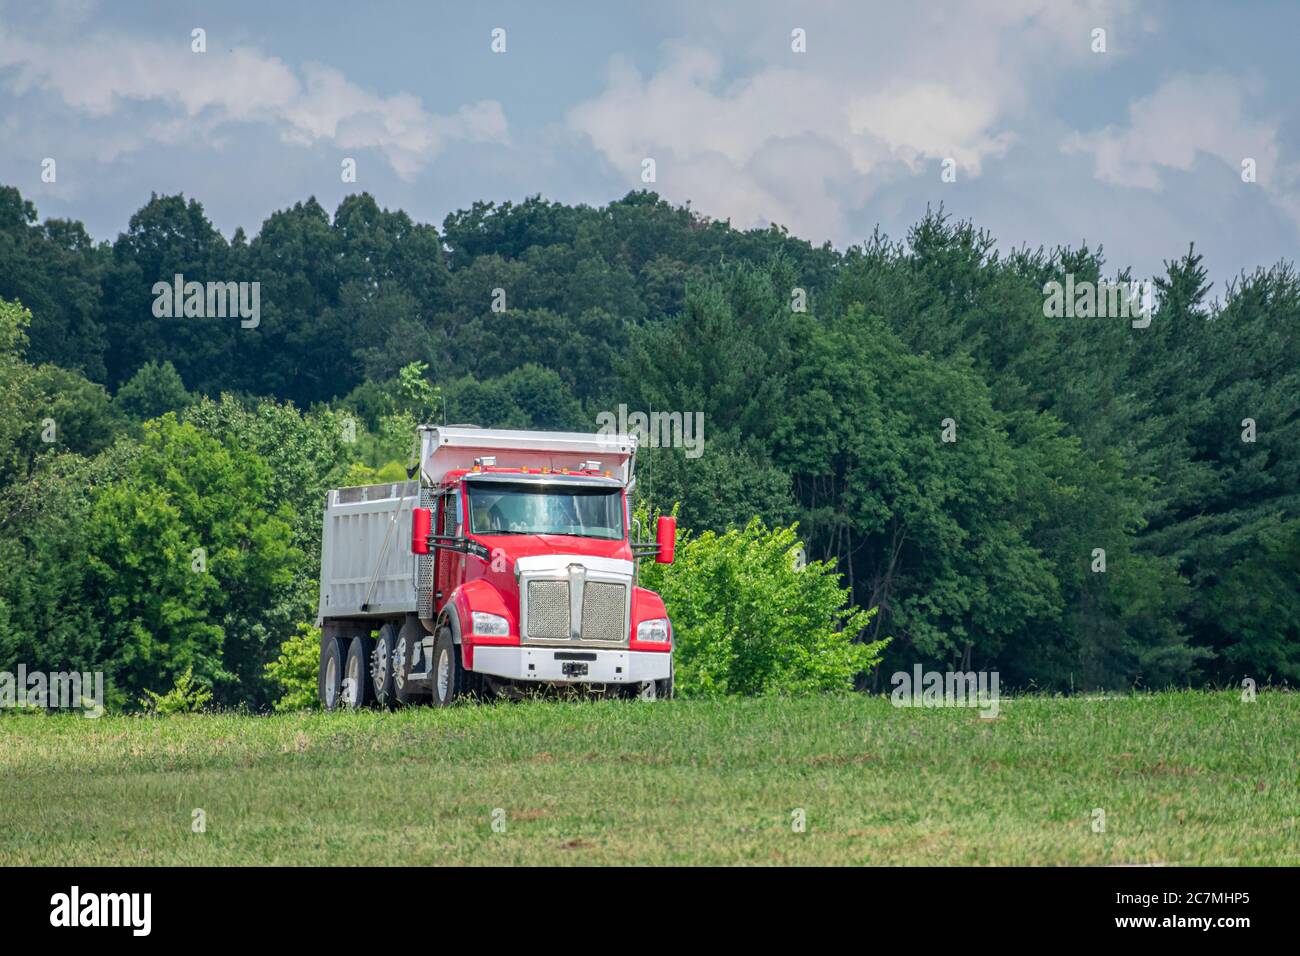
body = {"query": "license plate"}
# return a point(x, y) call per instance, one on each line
point(574, 669)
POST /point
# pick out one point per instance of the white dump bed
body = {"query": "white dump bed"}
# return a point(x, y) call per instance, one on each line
point(367, 568)
point(446, 448)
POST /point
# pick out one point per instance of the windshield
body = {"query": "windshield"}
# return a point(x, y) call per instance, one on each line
point(595, 512)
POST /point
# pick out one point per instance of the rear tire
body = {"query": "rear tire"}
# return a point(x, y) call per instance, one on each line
point(404, 689)
point(329, 680)
point(358, 689)
point(381, 667)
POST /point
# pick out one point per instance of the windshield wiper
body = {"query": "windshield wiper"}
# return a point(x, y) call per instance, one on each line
point(579, 534)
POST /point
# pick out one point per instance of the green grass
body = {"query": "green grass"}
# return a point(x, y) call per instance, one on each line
point(1183, 778)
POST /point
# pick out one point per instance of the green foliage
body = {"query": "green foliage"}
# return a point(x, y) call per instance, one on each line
point(44, 409)
point(1253, 610)
point(49, 617)
point(190, 565)
point(751, 616)
point(14, 321)
point(360, 474)
point(294, 670)
point(57, 271)
point(152, 392)
point(723, 488)
point(530, 396)
point(1073, 435)
point(187, 696)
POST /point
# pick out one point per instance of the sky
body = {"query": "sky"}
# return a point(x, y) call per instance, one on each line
point(829, 118)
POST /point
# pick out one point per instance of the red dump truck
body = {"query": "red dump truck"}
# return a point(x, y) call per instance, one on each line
point(505, 564)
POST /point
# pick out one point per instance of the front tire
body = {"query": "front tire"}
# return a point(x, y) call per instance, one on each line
point(661, 689)
point(448, 677)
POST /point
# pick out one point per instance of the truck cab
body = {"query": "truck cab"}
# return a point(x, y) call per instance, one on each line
point(521, 569)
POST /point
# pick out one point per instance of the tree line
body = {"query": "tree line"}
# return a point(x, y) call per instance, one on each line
point(1075, 502)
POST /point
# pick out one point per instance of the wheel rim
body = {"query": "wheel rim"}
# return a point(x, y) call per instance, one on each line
point(381, 666)
point(331, 679)
point(444, 674)
point(399, 655)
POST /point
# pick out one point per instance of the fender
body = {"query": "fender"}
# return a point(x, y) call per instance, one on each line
point(477, 595)
point(646, 606)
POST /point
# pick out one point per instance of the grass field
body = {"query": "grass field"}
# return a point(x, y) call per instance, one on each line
point(1183, 778)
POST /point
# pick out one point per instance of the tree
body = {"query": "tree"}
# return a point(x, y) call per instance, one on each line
point(57, 271)
point(44, 409)
point(189, 567)
point(751, 616)
point(153, 391)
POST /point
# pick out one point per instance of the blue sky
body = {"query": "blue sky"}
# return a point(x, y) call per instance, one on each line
point(1138, 148)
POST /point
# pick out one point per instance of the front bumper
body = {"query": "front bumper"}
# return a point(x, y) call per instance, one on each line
point(575, 666)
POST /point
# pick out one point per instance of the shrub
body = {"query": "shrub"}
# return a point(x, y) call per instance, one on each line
point(294, 671)
point(187, 696)
point(751, 617)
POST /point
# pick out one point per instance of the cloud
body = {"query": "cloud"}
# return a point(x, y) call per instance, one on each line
point(879, 95)
point(1187, 118)
point(105, 74)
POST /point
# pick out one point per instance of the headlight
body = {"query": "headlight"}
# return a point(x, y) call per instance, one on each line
point(654, 631)
point(490, 625)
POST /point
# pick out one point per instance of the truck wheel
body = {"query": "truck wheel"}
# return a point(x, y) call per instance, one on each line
point(358, 690)
point(661, 689)
point(448, 675)
point(381, 667)
point(665, 689)
point(404, 691)
point(329, 683)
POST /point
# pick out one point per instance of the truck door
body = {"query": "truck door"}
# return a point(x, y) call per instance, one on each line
point(450, 564)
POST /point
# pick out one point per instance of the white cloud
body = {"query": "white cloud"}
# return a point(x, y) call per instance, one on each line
point(880, 94)
point(932, 120)
point(1189, 117)
point(1186, 117)
point(104, 74)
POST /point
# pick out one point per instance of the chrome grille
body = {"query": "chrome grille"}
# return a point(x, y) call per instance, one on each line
point(548, 610)
point(602, 611)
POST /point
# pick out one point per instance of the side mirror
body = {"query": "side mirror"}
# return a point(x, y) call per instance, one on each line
point(666, 539)
point(421, 523)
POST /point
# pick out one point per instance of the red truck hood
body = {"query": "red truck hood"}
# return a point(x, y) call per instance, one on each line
point(523, 546)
